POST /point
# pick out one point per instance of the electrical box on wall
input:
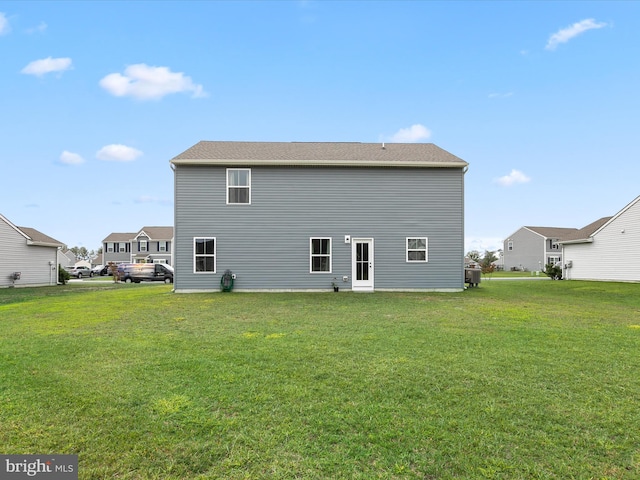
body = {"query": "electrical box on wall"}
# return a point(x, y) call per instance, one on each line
point(347, 239)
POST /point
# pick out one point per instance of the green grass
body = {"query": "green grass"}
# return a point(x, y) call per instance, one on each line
point(511, 380)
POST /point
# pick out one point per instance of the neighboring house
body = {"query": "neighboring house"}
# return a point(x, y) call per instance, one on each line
point(66, 258)
point(97, 260)
point(532, 248)
point(148, 245)
point(29, 253)
point(606, 251)
point(303, 216)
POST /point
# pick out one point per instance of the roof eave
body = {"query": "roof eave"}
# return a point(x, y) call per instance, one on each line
point(319, 163)
point(579, 240)
point(44, 244)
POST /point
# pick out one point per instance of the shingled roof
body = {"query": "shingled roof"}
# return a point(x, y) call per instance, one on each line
point(39, 238)
point(553, 232)
point(586, 232)
point(319, 154)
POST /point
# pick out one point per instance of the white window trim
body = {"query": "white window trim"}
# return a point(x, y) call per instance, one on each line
point(426, 249)
point(237, 186)
point(215, 255)
point(311, 255)
point(144, 246)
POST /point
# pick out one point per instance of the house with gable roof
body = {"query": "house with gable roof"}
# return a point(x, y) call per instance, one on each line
point(147, 245)
point(533, 248)
point(306, 216)
point(28, 257)
point(607, 250)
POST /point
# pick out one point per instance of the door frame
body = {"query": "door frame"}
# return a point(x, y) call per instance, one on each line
point(362, 285)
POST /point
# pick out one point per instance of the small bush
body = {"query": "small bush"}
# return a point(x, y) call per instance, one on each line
point(63, 275)
point(553, 271)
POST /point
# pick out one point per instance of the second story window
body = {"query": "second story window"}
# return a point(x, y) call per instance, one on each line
point(143, 246)
point(510, 245)
point(238, 185)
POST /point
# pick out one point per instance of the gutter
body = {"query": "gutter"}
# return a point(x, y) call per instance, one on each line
point(43, 244)
point(581, 240)
point(322, 163)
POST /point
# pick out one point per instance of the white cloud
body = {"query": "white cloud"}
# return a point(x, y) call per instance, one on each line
point(149, 83)
point(501, 95)
point(47, 65)
point(70, 158)
point(482, 244)
point(4, 24)
point(39, 29)
point(566, 34)
point(413, 134)
point(516, 176)
point(118, 153)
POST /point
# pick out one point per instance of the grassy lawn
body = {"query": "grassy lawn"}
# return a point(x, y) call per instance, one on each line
point(511, 380)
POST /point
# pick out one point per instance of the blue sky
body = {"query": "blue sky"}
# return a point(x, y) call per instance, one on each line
point(541, 98)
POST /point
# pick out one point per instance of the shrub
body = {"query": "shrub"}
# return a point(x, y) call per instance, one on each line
point(63, 275)
point(553, 271)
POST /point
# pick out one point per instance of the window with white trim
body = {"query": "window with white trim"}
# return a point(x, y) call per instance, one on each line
point(204, 255)
point(320, 255)
point(238, 185)
point(417, 249)
point(510, 245)
point(552, 260)
point(142, 246)
point(109, 247)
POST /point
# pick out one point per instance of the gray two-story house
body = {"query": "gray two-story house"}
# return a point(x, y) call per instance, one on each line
point(147, 245)
point(307, 216)
point(533, 248)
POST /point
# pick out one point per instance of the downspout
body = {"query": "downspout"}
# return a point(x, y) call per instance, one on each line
point(175, 226)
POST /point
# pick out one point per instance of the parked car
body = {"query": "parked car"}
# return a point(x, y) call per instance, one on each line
point(145, 272)
point(79, 271)
point(106, 270)
point(97, 269)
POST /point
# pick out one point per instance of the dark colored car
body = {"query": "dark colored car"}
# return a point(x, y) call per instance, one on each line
point(145, 272)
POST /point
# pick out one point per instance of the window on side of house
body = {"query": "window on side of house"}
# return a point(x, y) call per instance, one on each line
point(553, 260)
point(510, 245)
point(122, 247)
point(320, 255)
point(204, 255)
point(238, 186)
point(162, 246)
point(417, 249)
point(110, 247)
point(142, 246)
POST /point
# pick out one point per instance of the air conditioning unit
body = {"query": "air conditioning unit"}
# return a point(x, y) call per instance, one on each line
point(569, 264)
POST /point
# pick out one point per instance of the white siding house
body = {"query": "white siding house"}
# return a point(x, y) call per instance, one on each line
point(28, 252)
point(610, 253)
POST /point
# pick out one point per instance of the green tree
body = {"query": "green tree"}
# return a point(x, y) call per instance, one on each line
point(474, 255)
point(81, 253)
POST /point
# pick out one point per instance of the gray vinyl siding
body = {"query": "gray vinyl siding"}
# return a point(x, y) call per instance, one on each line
point(266, 243)
point(30, 260)
point(528, 251)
